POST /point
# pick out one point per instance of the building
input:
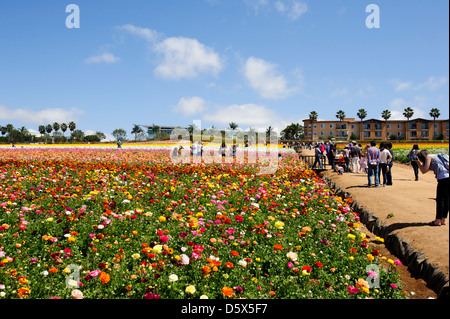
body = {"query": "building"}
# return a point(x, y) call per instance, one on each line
point(373, 129)
point(165, 130)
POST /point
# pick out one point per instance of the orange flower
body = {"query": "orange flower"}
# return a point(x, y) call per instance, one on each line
point(206, 270)
point(23, 292)
point(234, 253)
point(229, 265)
point(53, 270)
point(228, 291)
point(278, 247)
point(104, 277)
point(272, 293)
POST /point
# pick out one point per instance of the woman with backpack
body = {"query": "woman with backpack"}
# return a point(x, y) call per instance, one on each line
point(412, 155)
point(438, 163)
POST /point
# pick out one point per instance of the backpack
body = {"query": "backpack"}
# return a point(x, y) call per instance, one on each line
point(444, 160)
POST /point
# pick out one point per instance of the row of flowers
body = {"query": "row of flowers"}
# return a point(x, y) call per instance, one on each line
point(92, 223)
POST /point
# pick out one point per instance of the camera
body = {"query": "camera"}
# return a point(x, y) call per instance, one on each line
point(415, 158)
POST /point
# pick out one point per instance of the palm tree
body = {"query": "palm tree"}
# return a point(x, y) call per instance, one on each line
point(313, 117)
point(41, 129)
point(56, 127)
point(72, 126)
point(64, 129)
point(9, 129)
point(48, 129)
point(408, 113)
point(341, 116)
point(136, 129)
point(362, 113)
point(386, 114)
point(3, 130)
point(434, 113)
point(156, 130)
point(233, 125)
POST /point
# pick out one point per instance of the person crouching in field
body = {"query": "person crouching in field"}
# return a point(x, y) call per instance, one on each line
point(438, 163)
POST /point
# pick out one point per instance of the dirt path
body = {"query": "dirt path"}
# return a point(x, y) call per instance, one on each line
point(405, 207)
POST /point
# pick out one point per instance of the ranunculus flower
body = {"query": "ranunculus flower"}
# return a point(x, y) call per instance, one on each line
point(173, 278)
point(77, 294)
point(190, 289)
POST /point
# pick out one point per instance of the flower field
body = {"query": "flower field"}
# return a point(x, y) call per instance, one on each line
point(402, 150)
point(101, 223)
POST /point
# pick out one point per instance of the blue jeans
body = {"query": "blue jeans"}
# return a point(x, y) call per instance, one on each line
point(317, 160)
point(372, 170)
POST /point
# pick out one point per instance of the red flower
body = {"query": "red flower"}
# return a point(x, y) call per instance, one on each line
point(307, 268)
point(239, 218)
point(318, 264)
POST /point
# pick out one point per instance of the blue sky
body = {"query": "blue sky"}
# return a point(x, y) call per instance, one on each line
point(253, 62)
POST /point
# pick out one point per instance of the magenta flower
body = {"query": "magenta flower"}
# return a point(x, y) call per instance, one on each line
point(352, 290)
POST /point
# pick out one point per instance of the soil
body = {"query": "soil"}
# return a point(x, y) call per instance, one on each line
point(407, 207)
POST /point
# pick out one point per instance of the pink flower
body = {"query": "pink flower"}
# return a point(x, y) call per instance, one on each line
point(290, 265)
point(372, 274)
point(77, 294)
point(394, 286)
point(397, 262)
point(94, 273)
point(352, 290)
point(164, 239)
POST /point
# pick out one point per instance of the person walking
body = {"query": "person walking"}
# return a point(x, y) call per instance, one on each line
point(385, 159)
point(346, 153)
point(317, 156)
point(391, 163)
point(331, 155)
point(412, 155)
point(373, 159)
point(355, 155)
point(438, 163)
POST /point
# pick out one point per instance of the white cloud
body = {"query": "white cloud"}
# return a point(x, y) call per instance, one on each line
point(433, 83)
point(297, 9)
point(186, 58)
point(398, 105)
point(102, 58)
point(293, 9)
point(256, 116)
point(263, 77)
point(401, 86)
point(45, 116)
point(191, 105)
point(181, 57)
point(145, 33)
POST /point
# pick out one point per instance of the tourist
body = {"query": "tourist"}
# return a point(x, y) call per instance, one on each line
point(412, 158)
point(391, 163)
point(438, 163)
point(346, 154)
point(119, 144)
point(373, 159)
point(317, 155)
point(385, 159)
point(223, 150)
point(355, 156)
point(331, 154)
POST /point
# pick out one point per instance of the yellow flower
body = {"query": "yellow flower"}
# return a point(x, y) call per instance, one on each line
point(136, 256)
point(279, 225)
point(351, 236)
point(71, 239)
point(370, 257)
point(305, 272)
point(190, 289)
point(390, 261)
point(162, 218)
point(351, 258)
point(157, 248)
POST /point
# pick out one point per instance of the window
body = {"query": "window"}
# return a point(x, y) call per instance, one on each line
point(388, 133)
point(309, 133)
point(366, 134)
point(322, 133)
point(309, 125)
point(315, 133)
point(424, 126)
point(424, 134)
point(367, 126)
point(353, 126)
point(377, 134)
point(331, 133)
point(315, 125)
point(399, 133)
point(413, 134)
point(435, 125)
point(331, 125)
point(377, 126)
point(342, 126)
point(399, 126)
point(413, 126)
point(389, 126)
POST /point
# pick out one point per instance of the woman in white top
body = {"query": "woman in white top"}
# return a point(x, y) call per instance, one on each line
point(385, 159)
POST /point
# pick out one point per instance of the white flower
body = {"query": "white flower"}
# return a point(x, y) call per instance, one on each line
point(204, 297)
point(173, 278)
point(45, 272)
point(242, 263)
